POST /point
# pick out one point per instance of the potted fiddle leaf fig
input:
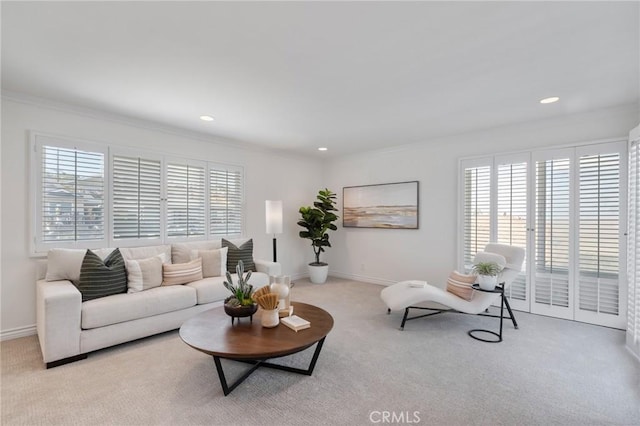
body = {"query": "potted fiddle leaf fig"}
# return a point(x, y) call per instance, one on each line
point(316, 221)
point(487, 274)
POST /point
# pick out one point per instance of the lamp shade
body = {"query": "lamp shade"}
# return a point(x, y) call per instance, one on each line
point(273, 216)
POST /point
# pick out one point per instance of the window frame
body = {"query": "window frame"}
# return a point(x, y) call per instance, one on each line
point(38, 248)
point(574, 152)
point(37, 142)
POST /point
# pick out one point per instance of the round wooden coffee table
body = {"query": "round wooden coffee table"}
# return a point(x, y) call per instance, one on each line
point(247, 341)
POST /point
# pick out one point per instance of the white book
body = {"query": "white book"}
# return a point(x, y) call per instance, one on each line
point(295, 323)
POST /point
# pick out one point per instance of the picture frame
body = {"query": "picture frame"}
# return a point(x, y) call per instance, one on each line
point(384, 206)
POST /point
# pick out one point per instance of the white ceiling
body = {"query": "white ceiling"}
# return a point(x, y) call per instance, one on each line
point(350, 76)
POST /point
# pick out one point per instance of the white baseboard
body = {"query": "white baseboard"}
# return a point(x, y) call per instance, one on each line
point(15, 333)
point(298, 276)
point(362, 278)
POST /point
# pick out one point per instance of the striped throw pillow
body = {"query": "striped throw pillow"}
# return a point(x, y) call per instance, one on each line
point(244, 253)
point(100, 278)
point(181, 273)
point(144, 274)
point(460, 285)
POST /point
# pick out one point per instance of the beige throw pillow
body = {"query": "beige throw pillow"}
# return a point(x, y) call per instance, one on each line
point(143, 274)
point(460, 285)
point(182, 273)
point(214, 262)
point(65, 264)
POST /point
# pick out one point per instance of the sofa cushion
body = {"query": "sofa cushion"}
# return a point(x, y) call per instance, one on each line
point(244, 252)
point(144, 274)
point(213, 290)
point(65, 264)
point(133, 253)
point(100, 278)
point(182, 273)
point(214, 262)
point(126, 307)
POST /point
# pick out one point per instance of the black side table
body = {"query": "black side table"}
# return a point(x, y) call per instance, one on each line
point(503, 301)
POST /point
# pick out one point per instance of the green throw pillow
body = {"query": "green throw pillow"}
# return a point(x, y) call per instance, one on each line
point(100, 278)
point(244, 253)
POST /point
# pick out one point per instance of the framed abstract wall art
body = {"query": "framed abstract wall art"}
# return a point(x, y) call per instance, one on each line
point(388, 205)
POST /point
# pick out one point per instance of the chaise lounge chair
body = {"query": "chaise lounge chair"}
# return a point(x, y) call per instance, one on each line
point(406, 294)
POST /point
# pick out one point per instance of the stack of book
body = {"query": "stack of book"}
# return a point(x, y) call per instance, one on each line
point(295, 323)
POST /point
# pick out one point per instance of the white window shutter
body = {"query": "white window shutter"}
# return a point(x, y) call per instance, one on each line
point(225, 201)
point(552, 232)
point(476, 211)
point(185, 200)
point(72, 195)
point(599, 227)
point(633, 245)
point(136, 193)
point(512, 216)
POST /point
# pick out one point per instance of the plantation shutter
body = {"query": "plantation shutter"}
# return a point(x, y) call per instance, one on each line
point(599, 227)
point(225, 201)
point(633, 268)
point(72, 195)
point(476, 211)
point(185, 200)
point(136, 193)
point(552, 232)
point(512, 218)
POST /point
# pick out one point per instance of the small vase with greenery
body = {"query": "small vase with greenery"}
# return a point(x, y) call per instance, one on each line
point(487, 274)
point(317, 221)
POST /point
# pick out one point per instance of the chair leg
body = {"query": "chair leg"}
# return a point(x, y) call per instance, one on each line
point(513, 318)
point(404, 318)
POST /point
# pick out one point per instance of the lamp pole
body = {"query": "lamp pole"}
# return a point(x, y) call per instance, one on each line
point(273, 218)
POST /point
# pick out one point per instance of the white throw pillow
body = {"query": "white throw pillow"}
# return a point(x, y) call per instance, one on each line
point(182, 273)
point(65, 264)
point(143, 274)
point(181, 252)
point(214, 262)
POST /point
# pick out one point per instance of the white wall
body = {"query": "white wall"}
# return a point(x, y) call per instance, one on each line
point(268, 175)
point(375, 255)
point(384, 255)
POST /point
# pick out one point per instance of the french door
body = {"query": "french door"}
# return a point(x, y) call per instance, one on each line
point(567, 208)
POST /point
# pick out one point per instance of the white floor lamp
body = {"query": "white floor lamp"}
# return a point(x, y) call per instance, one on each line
point(273, 216)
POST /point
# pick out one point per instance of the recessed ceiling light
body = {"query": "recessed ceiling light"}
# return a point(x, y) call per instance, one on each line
point(206, 118)
point(549, 100)
point(322, 148)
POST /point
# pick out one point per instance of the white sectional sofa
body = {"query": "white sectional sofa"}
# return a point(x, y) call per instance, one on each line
point(68, 329)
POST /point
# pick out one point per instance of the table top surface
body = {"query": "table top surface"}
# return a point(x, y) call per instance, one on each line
point(497, 289)
point(211, 332)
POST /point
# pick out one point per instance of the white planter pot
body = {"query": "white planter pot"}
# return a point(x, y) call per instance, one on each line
point(487, 282)
point(318, 273)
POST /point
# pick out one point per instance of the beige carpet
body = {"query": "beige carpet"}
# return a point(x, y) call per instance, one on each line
point(549, 372)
